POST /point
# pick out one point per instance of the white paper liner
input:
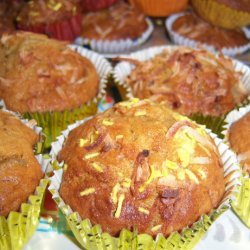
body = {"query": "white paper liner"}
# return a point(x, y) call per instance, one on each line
point(102, 66)
point(124, 68)
point(116, 46)
point(232, 173)
point(182, 40)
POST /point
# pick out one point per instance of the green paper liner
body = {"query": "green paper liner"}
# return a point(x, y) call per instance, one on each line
point(92, 237)
point(54, 122)
point(19, 226)
point(241, 206)
point(123, 69)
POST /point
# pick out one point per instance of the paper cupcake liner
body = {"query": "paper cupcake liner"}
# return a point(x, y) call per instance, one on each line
point(161, 8)
point(54, 122)
point(90, 5)
point(18, 227)
point(123, 69)
point(182, 40)
point(220, 14)
point(66, 30)
point(241, 205)
point(115, 46)
point(92, 237)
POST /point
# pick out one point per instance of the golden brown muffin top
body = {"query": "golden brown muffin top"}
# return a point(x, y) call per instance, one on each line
point(239, 138)
point(140, 164)
point(240, 5)
point(19, 170)
point(40, 74)
point(120, 21)
point(189, 81)
point(47, 11)
point(193, 27)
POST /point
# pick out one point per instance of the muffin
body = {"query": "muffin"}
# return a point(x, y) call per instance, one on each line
point(139, 164)
point(191, 29)
point(189, 81)
point(60, 19)
point(19, 166)
point(237, 135)
point(95, 5)
point(41, 74)
point(240, 141)
point(120, 21)
point(47, 80)
point(116, 29)
point(21, 186)
point(236, 13)
point(160, 8)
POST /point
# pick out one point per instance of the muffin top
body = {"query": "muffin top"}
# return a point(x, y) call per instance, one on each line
point(47, 11)
point(189, 81)
point(141, 165)
point(39, 74)
point(240, 140)
point(120, 21)
point(193, 27)
point(19, 170)
point(240, 5)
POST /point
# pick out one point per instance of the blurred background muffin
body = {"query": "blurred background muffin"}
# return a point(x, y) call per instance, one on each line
point(60, 19)
point(120, 21)
point(190, 26)
point(170, 175)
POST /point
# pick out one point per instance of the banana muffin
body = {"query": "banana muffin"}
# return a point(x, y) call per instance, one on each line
point(39, 74)
point(141, 165)
point(239, 138)
point(120, 21)
point(60, 19)
point(192, 27)
point(189, 81)
point(20, 172)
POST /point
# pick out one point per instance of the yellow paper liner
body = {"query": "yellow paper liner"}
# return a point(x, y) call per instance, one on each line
point(91, 237)
point(220, 14)
point(18, 227)
point(160, 8)
point(241, 205)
